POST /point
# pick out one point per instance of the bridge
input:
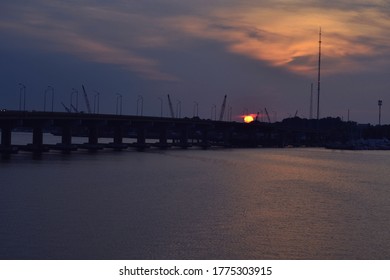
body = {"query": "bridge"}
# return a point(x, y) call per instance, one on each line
point(146, 132)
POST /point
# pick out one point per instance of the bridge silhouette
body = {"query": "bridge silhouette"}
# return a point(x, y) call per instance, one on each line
point(146, 132)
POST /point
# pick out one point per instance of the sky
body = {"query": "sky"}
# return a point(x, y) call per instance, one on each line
point(260, 53)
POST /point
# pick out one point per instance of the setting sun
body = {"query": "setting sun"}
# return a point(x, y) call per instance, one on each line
point(248, 119)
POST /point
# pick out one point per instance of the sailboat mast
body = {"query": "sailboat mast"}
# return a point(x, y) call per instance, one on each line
point(319, 77)
point(311, 101)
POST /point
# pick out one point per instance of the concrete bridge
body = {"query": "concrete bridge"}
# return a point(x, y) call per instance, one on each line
point(146, 131)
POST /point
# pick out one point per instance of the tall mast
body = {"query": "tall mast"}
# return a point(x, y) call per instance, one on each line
point(319, 76)
point(311, 101)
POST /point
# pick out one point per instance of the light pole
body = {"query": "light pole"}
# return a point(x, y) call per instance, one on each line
point(214, 112)
point(119, 104)
point(22, 92)
point(76, 109)
point(230, 111)
point(44, 100)
point(161, 106)
point(140, 102)
point(178, 109)
point(380, 110)
point(96, 102)
point(52, 98)
point(196, 109)
point(51, 89)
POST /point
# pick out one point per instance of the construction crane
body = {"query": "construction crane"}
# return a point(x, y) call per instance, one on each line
point(296, 113)
point(66, 108)
point(266, 112)
point(223, 108)
point(170, 107)
point(86, 100)
point(74, 108)
point(257, 116)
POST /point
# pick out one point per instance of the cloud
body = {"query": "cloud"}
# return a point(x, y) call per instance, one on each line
point(288, 36)
point(282, 33)
point(92, 33)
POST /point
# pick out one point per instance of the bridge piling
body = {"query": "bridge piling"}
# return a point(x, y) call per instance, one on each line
point(66, 145)
point(141, 137)
point(6, 136)
point(36, 147)
point(93, 138)
point(66, 137)
point(205, 138)
point(6, 148)
point(184, 132)
point(117, 143)
point(163, 138)
point(37, 136)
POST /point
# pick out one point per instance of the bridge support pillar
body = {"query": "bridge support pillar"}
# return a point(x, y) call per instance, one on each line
point(36, 147)
point(6, 135)
point(118, 144)
point(92, 135)
point(118, 135)
point(184, 137)
point(141, 137)
point(37, 137)
point(163, 137)
point(66, 138)
point(6, 148)
point(205, 138)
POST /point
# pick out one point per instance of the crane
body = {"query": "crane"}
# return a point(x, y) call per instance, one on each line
point(74, 108)
point(86, 100)
point(223, 108)
point(266, 112)
point(66, 108)
point(170, 107)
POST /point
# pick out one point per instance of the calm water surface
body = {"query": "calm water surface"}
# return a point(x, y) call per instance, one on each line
point(196, 204)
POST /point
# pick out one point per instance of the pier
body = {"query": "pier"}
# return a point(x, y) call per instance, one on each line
point(145, 132)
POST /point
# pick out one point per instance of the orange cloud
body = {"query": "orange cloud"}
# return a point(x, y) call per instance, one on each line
point(289, 37)
point(281, 33)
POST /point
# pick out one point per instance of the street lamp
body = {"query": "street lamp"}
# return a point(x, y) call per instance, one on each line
point(140, 101)
point(214, 112)
point(119, 104)
point(196, 109)
point(51, 89)
point(380, 110)
point(161, 106)
point(52, 98)
point(230, 111)
point(22, 92)
point(96, 102)
point(76, 109)
point(178, 109)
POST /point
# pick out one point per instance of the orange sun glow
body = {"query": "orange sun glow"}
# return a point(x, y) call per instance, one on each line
point(248, 119)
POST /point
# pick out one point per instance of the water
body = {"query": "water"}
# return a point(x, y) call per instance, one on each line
point(195, 204)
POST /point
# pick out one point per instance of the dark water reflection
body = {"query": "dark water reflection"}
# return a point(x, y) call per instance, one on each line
point(217, 204)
